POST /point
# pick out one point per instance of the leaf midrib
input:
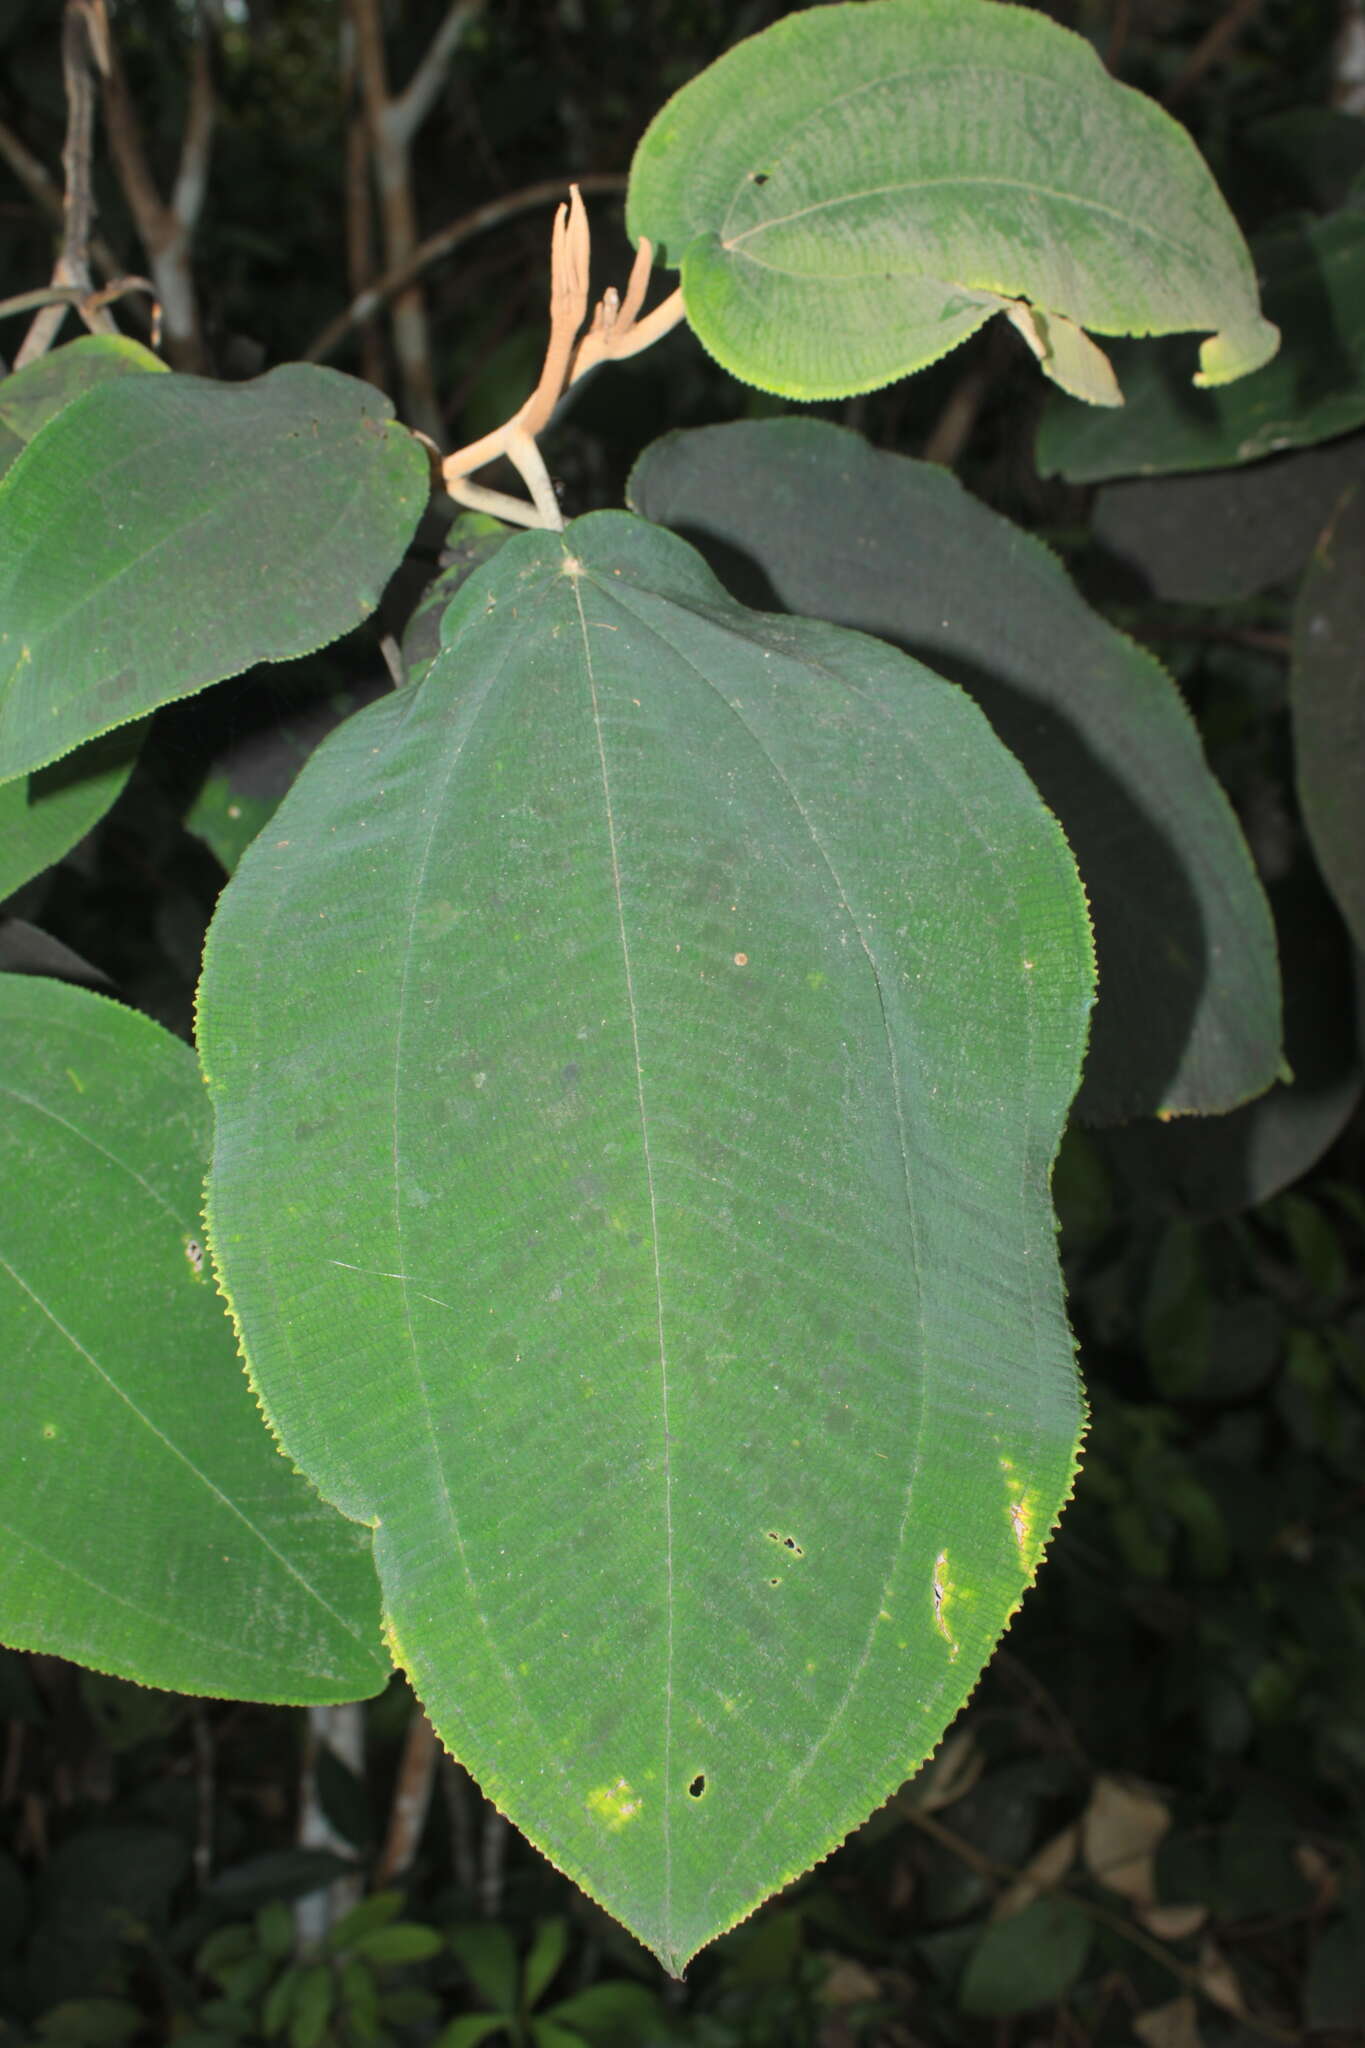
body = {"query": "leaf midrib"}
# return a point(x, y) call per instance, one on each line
point(619, 592)
point(667, 1765)
point(1130, 223)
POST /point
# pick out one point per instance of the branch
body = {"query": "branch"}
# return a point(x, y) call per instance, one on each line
point(46, 194)
point(192, 174)
point(359, 208)
point(130, 159)
point(407, 113)
point(411, 1801)
point(1348, 59)
point(41, 188)
point(393, 120)
point(444, 243)
point(398, 219)
point(86, 303)
point(166, 230)
point(342, 1730)
point(85, 45)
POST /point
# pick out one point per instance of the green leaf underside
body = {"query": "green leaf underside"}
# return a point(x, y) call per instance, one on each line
point(1188, 1017)
point(164, 532)
point(1327, 700)
point(853, 192)
point(1313, 282)
point(638, 1053)
point(30, 397)
point(149, 1526)
point(43, 816)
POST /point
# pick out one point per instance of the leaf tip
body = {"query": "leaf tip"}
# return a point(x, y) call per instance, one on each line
point(1223, 358)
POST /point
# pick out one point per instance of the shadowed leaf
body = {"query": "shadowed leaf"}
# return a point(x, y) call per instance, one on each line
point(42, 816)
point(797, 513)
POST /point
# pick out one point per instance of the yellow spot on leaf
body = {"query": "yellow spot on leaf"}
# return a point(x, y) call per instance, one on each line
point(944, 1592)
point(614, 1805)
point(1022, 1510)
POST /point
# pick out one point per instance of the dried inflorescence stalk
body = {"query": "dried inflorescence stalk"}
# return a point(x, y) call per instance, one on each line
point(616, 332)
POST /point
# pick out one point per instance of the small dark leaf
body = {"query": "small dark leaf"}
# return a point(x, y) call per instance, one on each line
point(42, 816)
point(806, 516)
point(1027, 1961)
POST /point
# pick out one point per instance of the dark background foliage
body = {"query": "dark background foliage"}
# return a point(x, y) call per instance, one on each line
point(1168, 1753)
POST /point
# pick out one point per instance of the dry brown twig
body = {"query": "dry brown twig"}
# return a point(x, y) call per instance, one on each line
point(492, 214)
point(46, 195)
point(417, 1770)
point(166, 227)
point(616, 332)
point(87, 304)
point(85, 49)
point(391, 122)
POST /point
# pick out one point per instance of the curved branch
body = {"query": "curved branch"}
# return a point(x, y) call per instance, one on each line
point(546, 192)
point(85, 50)
point(410, 107)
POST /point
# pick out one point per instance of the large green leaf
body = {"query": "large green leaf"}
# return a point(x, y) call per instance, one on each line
point(1313, 279)
point(37, 393)
point(163, 532)
point(638, 1052)
point(805, 515)
point(853, 192)
point(150, 1528)
point(43, 815)
point(1327, 697)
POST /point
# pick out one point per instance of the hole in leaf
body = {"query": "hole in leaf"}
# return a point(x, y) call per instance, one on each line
point(697, 1787)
